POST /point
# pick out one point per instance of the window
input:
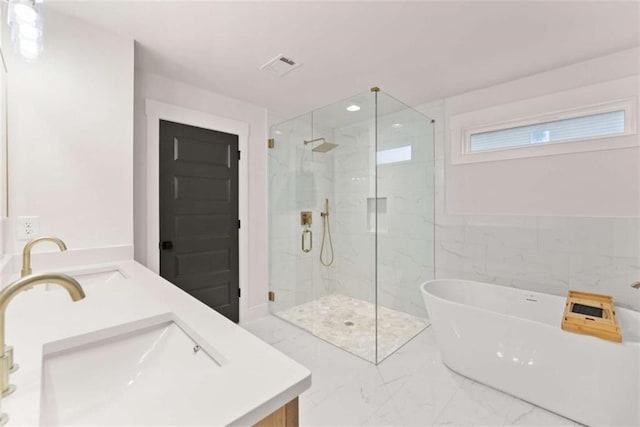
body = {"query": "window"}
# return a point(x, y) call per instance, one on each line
point(394, 155)
point(539, 127)
point(577, 128)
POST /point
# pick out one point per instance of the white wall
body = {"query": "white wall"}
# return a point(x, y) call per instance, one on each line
point(567, 184)
point(71, 136)
point(538, 247)
point(155, 87)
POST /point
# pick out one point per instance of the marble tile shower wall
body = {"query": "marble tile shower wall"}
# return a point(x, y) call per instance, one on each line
point(405, 228)
point(549, 254)
point(354, 243)
point(406, 246)
point(323, 171)
point(298, 181)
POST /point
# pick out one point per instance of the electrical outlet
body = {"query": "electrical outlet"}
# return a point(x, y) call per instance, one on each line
point(28, 227)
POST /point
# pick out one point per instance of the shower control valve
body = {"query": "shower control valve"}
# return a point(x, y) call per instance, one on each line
point(306, 218)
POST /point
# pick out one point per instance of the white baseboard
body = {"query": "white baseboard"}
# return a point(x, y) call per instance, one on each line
point(254, 313)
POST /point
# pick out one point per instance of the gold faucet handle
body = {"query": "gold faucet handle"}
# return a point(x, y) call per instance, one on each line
point(7, 388)
point(8, 350)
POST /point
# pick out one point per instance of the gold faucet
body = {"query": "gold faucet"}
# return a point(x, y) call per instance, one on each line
point(7, 294)
point(26, 252)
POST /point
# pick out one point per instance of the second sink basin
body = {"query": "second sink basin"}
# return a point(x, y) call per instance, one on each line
point(90, 278)
point(126, 375)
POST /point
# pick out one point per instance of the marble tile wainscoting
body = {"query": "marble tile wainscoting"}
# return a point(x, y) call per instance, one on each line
point(412, 387)
point(544, 254)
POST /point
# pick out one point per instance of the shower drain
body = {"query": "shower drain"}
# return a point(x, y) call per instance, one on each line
point(349, 323)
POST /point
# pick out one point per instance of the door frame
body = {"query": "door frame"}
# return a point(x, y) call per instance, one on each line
point(156, 111)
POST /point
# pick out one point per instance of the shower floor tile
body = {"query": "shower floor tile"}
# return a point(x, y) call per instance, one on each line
point(349, 323)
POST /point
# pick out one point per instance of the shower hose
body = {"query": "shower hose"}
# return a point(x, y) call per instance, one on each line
point(326, 231)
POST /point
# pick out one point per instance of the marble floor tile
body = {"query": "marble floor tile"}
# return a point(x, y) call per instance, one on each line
point(522, 413)
point(412, 387)
point(272, 330)
point(424, 395)
point(352, 403)
point(475, 404)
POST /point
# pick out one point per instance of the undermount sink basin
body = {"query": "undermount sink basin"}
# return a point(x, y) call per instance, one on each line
point(131, 374)
point(93, 277)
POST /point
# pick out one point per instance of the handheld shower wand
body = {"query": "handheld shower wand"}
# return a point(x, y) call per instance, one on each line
point(326, 231)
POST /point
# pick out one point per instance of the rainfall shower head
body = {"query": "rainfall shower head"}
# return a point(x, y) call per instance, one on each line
point(322, 148)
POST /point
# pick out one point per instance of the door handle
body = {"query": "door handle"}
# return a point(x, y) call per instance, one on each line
point(305, 248)
point(166, 245)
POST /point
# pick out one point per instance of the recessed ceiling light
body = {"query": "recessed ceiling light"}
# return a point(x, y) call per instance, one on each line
point(396, 125)
point(353, 107)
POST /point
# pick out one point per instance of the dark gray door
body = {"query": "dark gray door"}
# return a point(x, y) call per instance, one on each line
point(199, 214)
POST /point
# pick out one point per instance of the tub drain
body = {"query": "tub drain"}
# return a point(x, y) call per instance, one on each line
point(349, 323)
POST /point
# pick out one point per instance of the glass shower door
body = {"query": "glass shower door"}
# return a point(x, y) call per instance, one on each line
point(323, 164)
point(291, 186)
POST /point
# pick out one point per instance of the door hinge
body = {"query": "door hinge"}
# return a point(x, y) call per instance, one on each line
point(271, 143)
point(239, 292)
point(239, 155)
point(238, 223)
point(272, 296)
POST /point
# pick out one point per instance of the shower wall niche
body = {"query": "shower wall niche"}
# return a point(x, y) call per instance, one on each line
point(379, 183)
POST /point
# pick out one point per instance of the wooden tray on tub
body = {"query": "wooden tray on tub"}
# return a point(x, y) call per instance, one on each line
point(591, 314)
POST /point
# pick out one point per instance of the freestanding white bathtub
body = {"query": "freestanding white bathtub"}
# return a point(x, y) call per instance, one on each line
point(511, 339)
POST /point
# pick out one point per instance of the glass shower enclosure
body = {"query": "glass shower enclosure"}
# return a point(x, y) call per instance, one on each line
point(351, 222)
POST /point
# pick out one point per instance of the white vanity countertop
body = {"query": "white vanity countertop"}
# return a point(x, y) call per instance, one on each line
point(255, 380)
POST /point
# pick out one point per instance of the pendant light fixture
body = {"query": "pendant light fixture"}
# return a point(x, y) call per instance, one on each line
point(25, 20)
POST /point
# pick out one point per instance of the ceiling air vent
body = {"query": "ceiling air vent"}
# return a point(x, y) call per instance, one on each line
point(280, 65)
